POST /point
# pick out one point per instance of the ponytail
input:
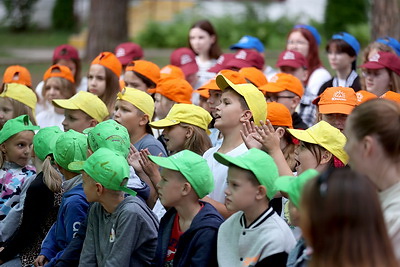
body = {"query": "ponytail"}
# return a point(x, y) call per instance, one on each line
point(52, 177)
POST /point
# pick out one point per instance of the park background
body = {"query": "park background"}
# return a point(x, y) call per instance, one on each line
point(30, 29)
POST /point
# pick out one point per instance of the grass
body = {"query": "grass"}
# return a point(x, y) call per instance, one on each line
point(34, 38)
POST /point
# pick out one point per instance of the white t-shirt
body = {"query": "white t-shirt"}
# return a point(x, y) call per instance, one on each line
point(219, 171)
point(49, 117)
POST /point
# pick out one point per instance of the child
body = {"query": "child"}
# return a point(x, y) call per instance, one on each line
point(16, 100)
point(16, 146)
point(82, 111)
point(25, 227)
point(188, 231)
point(121, 231)
point(254, 234)
point(69, 147)
point(58, 84)
point(134, 109)
point(142, 75)
point(240, 103)
point(103, 78)
point(294, 63)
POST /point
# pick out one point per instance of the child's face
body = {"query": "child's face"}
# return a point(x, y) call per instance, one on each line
point(297, 42)
point(337, 120)
point(6, 111)
point(169, 188)
point(339, 60)
point(162, 105)
point(133, 81)
point(52, 89)
point(305, 159)
point(76, 120)
point(175, 137)
point(18, 148)
point(214, 100)
point(299, 73)
point(377, 81)
point(89, 187)
point(127, 115)
point(97, 80)
point(200, 41)
point(241, 192)
point(229, 111)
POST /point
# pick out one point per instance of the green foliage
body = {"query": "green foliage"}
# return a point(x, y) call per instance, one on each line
point(19, 13)
point(339, 14)
point(62, 17)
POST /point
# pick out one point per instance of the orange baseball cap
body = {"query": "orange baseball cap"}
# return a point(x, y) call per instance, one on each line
point(178, 90)
point(283, 81)
point(279, 115)
point(17, 74)
point(172, 71)
point(363, 96)
point(336, 100)
point(391, 96)
point(59, 71)
point(254, 75)
point(146, 68)
point(110, 61)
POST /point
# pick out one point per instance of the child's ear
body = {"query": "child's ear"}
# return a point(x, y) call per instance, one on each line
point(246, 116)
point(281, 131)
point(261, 192)
point(326, 157)
point(186, 189)
point(99, 189)
point(93, 123)
point(189, 132)
point(3, 148)
point(144, 120)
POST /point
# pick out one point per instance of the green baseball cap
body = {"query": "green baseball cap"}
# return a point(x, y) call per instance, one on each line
point(44, 141)
point(193, 167)
point(69, 147)
point(259, 163)
point(293, 185)
point(109, 134)
point(106, 167)
point(16, 125)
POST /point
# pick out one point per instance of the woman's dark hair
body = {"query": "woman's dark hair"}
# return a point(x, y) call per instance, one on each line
point(341, 46)
point(205, 25)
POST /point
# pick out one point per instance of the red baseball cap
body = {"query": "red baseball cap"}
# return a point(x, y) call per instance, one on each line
point(126, 52)
point(66, 52)
point(246, 58)
point(17, 74)
point(382, 60)
point(292, 59)
point(184, 58)
point(221, 61)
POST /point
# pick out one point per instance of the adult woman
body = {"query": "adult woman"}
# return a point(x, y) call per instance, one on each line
point(373, 145)
point(305, 40)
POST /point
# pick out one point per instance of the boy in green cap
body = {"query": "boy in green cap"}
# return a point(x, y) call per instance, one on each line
point(188, 231)
point(293, 186)
point(121, 231)
point(70, 146)
point(254, 234)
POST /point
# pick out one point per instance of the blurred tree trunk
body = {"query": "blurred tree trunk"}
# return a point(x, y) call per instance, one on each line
point(108, 26)
point(385, 18)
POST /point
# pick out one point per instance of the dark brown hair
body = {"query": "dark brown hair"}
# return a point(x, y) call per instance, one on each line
point(341, 46)
point(338, 227)
point(205, 25)
point(112, 89)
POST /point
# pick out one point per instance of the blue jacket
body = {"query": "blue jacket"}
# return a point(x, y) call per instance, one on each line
point(73, 210)
point(197, 246)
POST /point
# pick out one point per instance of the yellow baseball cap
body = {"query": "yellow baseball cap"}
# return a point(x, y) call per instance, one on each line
point(187, 113)
point(325, 135)
point(139, 99)
point(21, 93)
point(87, 102)
point(253, 97)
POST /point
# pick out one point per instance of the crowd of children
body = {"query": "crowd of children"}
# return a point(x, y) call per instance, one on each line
point(214, 160)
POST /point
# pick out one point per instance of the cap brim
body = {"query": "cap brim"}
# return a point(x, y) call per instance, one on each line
point(271, 88)
point(223, 82)
point(238, 63)
point(335, 108)
point(76, 166)
point(64, 103)
point(316, 100)
point(217, 68)
point(163, 162)
point(229, 160)
point(372, 65)
point(284, 183)
point(163, 123)
point(190, 68)
point(302, 135)
point(289, 63)
point(151, 91)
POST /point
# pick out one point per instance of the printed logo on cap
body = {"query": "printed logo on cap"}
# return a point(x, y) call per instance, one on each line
point(120, 52)
point(339, 96)
point(241, 55)
point(274, 79)
point(289, 56)
point(166, 70)
point(375, 57)
point(185, 59)
point(244, 39)
point(359, 97)
point(221, 59)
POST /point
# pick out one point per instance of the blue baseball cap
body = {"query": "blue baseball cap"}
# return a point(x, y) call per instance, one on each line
point(389, 41)
point(311, 29)
point(248, 42)
point(349, 39)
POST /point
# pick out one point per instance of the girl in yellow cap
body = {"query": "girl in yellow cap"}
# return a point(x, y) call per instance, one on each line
point(15, 100)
